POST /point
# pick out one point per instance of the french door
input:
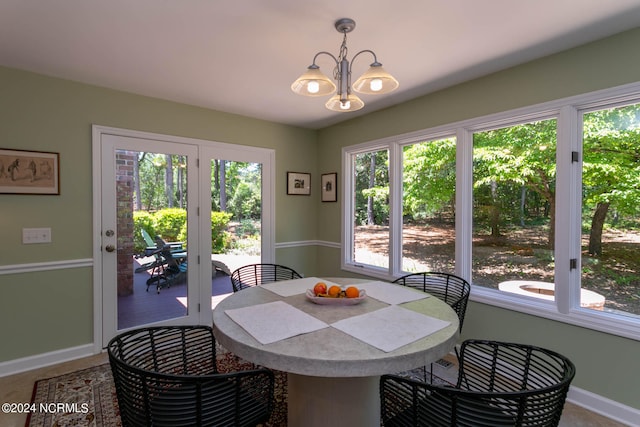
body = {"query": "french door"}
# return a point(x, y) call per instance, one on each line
point(142, 283)
point(138, 175)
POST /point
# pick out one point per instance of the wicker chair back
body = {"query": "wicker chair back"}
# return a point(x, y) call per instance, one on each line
point(167, 376)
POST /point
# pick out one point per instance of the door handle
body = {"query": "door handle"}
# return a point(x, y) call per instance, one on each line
point(110, 248)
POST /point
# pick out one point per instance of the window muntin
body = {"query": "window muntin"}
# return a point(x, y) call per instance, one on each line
point(611, 210)
point(514, 208)
point(428, 205)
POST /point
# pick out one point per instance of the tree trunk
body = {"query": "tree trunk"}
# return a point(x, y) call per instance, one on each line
point(223, 186)
point(597, 223)
point(168, 180)
point(216, 175)
point(372, 183)
point(523, 199)
point(494, 215)
point(552, 221)
point(181, 201)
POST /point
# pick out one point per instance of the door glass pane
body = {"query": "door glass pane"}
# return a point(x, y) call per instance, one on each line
point(371, 208)
point(236, 219)
point(611, 211)
point(514, 177)
point(151, 193)
point(428, 206)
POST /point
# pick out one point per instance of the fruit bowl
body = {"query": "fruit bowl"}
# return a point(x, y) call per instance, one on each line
point(335, 301)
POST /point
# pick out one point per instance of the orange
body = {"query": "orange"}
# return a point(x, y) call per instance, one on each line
point(334, 291)
point(352, 292)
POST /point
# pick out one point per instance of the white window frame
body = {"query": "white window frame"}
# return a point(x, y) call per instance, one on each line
point(568, 112)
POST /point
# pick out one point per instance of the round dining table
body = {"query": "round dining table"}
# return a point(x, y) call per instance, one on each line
point(332, 376)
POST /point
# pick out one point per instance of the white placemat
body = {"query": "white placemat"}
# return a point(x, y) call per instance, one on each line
point(391, 327)
point(286, 288)
point(274, 321)
point(391, 293)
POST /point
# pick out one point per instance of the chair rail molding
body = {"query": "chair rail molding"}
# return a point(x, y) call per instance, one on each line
point(325, 243)
point(45, 266)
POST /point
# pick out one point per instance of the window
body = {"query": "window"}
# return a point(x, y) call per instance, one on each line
point(538, 208)
point(371, 208)
point(514, 193)
point(611, 210)
point(428, 205)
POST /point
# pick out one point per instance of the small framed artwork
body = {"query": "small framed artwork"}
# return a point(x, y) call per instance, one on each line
point(330, 187)
point(29, 172)
point(298, 183)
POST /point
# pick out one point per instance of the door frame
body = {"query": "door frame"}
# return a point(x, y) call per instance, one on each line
point(205, 148)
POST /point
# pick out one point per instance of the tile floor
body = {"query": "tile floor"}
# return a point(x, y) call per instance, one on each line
point(18, 388)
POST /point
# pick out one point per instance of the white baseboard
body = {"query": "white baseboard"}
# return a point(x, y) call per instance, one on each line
point(605, 407)
point(46, 359)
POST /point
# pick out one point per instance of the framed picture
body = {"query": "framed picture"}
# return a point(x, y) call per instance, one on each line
point(330, 187)
point(299, 183)
point(29, 172)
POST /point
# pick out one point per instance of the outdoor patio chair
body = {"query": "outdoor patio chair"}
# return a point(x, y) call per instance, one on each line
point(177, 248)
point(499, 384)
point(259, 274)
point(167, 376)
point(447, 287)
point(167, 271)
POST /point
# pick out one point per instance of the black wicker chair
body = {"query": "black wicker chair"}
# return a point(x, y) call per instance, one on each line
point(259, 274)
point(167, 376)
point(499, 384)
point(449, 288)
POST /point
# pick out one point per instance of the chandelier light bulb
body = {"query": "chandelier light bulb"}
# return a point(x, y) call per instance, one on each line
point(313, 83)
point(376, 85)
point(338, 103)
point(313, 87)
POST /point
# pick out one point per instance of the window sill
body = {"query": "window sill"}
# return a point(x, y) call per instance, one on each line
point(603, 321)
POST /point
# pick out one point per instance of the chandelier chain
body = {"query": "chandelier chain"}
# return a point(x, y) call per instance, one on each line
point(342, 55)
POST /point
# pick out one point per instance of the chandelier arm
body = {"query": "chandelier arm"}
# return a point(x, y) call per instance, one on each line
point(375, 58)
point(326, 53)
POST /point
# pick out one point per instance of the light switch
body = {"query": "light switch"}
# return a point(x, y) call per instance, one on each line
point(36, 235)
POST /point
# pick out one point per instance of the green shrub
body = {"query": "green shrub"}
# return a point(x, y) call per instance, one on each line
point(171, 225)
point(141, 220)
point(169, 222)
point(220, 238)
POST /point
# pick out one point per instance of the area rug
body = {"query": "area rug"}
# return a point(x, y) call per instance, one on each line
point(81, 398)
point(87, 398)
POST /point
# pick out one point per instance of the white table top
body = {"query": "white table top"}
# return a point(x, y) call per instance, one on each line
point(329, 352)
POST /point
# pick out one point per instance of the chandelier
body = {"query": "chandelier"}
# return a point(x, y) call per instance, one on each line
point(374, 81)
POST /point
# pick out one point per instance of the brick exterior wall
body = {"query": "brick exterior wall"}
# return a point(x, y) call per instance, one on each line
point(124, 214)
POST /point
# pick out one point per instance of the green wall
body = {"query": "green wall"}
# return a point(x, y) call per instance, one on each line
point(51, 310)
point(606, 364)
point(46, 311)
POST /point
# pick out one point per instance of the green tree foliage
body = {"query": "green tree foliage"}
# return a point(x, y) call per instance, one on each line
point(611, 168)
point(515, 171)
point(509, 159)
point(429, 178)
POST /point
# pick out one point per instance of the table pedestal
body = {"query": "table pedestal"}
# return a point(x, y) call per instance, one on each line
point(335, 402)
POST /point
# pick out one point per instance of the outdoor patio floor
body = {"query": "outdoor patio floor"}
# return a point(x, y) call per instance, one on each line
point(144, 307)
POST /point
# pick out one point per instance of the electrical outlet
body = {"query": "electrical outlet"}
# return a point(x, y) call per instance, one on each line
point(36, 235)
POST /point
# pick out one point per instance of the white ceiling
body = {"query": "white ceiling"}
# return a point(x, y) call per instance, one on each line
point(241, 56)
